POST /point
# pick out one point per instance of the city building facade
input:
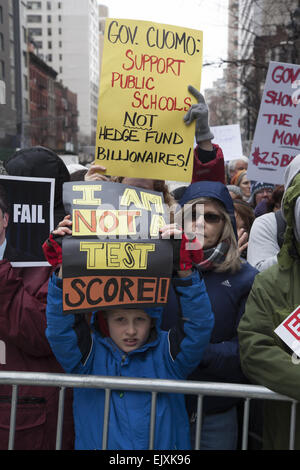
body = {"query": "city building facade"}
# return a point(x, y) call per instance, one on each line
point(66, 34)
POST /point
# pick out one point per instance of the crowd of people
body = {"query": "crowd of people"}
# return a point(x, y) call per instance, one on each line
point(226, 298)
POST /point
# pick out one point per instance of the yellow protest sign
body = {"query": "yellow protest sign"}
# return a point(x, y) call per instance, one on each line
point(146, 70)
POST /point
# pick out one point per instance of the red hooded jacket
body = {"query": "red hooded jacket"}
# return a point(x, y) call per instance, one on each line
point(23, 296)
point(212, 170)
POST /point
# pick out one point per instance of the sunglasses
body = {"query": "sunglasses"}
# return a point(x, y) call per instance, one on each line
point(209, 217)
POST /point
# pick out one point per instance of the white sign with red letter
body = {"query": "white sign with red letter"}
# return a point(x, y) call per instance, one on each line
point(277, 135)
point(229, 139)
point(289, 331)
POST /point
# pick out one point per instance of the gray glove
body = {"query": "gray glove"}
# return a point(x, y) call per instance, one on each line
point(199, 112)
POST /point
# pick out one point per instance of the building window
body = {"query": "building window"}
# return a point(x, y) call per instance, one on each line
point(49, 19)
point(1, 15)
point(60, 44)
point(12, 54)
point(11, 28)
point(48, 5)
point(2, 92)
point(25, 58)
point(26, 105)
point(34, 5)
point(35, 31)
point(49, 32)
point(34, 18)
point(1, 42)
point(2, 69)
point(49, 44)
point(13, 100)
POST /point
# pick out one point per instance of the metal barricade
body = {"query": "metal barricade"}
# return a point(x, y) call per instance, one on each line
point(154, 386)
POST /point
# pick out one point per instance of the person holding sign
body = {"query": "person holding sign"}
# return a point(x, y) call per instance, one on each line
point(129, 343)
point(265, 359)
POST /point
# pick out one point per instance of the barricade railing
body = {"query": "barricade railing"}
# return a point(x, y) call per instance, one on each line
point(154, 386)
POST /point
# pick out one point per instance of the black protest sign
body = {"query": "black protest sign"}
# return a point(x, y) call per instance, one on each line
point(114, 256)
point(26, 219)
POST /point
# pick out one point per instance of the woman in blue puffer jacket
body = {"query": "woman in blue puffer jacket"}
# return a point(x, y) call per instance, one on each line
point(228, 281)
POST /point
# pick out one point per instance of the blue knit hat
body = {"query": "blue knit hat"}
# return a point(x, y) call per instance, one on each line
point(257, 186)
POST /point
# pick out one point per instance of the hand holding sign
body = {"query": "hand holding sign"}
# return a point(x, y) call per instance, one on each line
point(53, 245)
point(94, 173)
point(185, 252)
point(199, 112)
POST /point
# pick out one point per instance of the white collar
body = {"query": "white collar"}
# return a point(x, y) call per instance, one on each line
point(2, 249)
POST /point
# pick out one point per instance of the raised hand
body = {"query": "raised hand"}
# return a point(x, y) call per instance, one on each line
point(199, 112)
point(52, 247)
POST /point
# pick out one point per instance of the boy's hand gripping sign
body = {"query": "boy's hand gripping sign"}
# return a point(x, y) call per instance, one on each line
point(114, 256)
point(146, 70)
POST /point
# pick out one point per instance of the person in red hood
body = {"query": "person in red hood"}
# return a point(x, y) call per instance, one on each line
point(208, 162)
point(23, 296)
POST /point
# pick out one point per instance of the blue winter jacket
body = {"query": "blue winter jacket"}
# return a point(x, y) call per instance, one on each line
point(228, 293)
point(171, 355)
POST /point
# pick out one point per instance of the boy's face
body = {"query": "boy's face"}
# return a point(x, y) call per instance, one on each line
point(128, 328)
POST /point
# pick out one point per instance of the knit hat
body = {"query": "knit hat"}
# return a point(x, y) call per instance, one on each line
point(257, 186)
point(237, 177)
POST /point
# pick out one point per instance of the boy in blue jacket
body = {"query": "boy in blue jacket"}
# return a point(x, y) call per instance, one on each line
point(130, 343)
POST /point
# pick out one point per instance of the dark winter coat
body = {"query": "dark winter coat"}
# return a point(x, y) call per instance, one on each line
point(23, 296)
point(228, 293)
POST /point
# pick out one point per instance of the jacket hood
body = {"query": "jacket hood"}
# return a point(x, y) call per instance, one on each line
point(291, 244)
point(39, 162)
point(214, 190)
point(99, 323)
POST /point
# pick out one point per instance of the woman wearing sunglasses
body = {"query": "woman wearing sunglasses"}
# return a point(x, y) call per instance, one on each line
point(228, 281)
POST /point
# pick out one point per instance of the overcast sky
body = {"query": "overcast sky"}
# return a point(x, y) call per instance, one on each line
point(209, 16)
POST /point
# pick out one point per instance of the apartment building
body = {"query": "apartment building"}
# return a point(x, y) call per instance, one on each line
point(66, 34)
point(14, 88)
